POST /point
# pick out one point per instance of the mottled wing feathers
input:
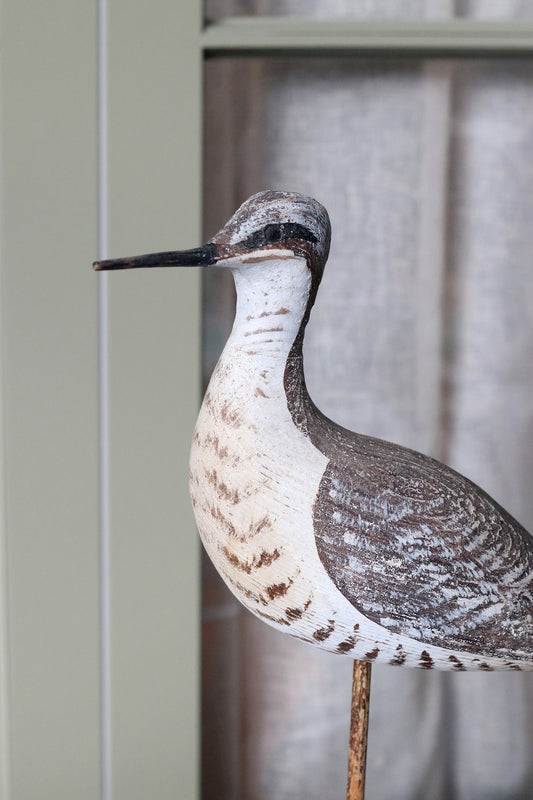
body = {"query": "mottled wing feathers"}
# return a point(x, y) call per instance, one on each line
point(421, 550)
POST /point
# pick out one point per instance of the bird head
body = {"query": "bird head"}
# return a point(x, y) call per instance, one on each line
point(268, 225)
point(273, 224)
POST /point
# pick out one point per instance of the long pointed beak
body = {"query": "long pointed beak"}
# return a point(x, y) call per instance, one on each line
point(198, 257)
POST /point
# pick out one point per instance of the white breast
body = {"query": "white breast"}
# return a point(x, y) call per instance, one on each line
point(254, 479)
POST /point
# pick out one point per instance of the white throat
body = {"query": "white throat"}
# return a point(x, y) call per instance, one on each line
point(272, 297)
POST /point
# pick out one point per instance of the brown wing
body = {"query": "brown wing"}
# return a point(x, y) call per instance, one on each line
point(422, 551)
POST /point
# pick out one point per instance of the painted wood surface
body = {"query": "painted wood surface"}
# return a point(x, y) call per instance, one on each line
point(416, 565)
point(355, 544)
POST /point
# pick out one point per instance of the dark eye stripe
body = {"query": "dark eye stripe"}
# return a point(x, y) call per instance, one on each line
point(273, 233)
point(292, 230)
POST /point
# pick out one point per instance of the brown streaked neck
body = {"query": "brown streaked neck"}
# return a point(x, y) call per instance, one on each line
point(305, 415)
point(303, 411)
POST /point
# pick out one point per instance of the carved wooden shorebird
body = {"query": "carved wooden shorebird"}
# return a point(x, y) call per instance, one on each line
point(353, 544)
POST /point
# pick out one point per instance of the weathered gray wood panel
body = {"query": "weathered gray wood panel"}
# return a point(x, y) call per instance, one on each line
point(402, 344)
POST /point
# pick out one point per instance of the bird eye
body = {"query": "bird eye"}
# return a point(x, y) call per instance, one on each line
point(272, 233)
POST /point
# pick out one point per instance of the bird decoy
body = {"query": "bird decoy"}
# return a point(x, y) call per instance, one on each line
point(353, 544)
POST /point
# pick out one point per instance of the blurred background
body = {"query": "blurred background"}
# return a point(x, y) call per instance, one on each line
point(119, 138)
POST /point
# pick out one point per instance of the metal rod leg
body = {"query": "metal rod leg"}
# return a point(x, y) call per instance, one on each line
point(358, 730)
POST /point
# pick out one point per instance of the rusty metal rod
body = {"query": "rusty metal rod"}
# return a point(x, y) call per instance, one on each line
point(355, 789)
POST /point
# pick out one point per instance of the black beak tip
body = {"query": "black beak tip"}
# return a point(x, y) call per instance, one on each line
point(118, 263)
point(197, 257)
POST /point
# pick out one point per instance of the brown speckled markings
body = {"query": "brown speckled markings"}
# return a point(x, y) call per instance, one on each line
point(360, 546)
point(230, 416)
point(357, 545)
point(228, 494)
point(413, 545)
point(458, 665)
point(264, 330)
point(259, 525)
point(324, 633)
point(278, 589)
point(271, 617)
point(399, 657)
point(349, 643)
point(293, 614)
point(425, 553)
point(426, 662)
point(247, 519)
point(263, 560)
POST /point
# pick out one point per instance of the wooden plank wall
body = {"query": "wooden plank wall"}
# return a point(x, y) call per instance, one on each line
point(421, 334)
